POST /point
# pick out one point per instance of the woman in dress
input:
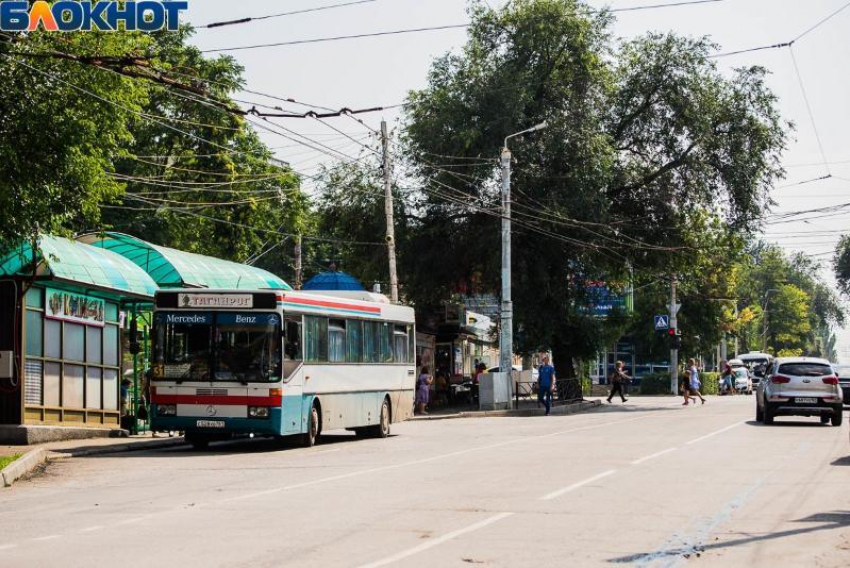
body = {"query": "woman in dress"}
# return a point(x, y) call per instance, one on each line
point(423, 390)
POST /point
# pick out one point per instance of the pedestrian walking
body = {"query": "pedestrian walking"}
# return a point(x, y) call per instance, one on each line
point(728, 378)
point(545, 384)
point(618, 377)
point(695, 382)
point(423, 390)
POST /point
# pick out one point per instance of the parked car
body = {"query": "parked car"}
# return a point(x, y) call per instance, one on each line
point(800, 386)
point(843, 372)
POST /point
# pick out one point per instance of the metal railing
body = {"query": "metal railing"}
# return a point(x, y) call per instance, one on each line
point(566, 390)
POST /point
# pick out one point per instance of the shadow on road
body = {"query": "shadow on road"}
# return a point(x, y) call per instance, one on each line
point(788, 424)
point(239, 446)
point(827, 521)
point(842, 461)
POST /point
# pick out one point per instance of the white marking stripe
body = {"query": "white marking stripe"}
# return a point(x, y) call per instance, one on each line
point(49, 537)
point(707, 436)
point(653, 456)
point(438, 541)
point(7, 546)
point(91, 529)
point(133, 520)
point(574, 486)
point(418, 462)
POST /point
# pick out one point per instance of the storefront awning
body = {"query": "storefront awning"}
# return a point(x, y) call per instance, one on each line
point(171, 268)
point(80, 264)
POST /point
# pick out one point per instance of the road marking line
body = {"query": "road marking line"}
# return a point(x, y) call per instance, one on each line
point(132, 521)
point(48, 537)
point(91, 529)
point(653, 456)
point(419, 462)
point(8, 546)
point(574, 486)
point(707, 436)
point(438, 541)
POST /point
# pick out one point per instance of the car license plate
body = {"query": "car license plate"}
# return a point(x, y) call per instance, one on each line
point(806, 400)
point(210, 424)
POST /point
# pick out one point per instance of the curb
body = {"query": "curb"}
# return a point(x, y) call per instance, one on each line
point(556, 411)
point(23, 465)
point(118, 449)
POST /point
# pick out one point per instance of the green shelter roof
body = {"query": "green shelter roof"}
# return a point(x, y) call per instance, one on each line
point(78, 263)
point(172, 268)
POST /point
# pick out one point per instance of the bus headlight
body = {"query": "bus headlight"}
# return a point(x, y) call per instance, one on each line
point(258, 412)
point(166, 410)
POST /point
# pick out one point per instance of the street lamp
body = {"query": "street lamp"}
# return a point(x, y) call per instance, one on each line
point(506, 337)
point(764, 316)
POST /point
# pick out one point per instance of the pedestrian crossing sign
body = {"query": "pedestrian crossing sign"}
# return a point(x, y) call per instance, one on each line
point(662, 323)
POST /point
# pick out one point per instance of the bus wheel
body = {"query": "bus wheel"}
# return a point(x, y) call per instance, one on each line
point(382, 429)
point(309, 439)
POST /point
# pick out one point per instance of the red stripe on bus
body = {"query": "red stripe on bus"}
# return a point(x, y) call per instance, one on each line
point(219, 400)
point(325, 304)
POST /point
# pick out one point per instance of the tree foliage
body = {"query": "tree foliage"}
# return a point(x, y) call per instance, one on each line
point(645, 137)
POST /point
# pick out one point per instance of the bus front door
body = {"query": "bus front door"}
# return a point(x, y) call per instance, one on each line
point(293, 376)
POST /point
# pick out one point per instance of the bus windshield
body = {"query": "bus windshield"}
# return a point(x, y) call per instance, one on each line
point(217, 347)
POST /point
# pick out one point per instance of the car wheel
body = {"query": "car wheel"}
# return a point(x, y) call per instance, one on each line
point(768, 414)
point(837, 418)
point(825, 418)
point(759, 413)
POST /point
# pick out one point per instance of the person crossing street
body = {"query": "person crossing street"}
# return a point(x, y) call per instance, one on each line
point(618, 377)
point(545, 384)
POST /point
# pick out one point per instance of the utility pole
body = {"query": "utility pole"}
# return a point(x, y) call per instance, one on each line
point(674, 353)
point(298, 268)
point(388, 210)
point(506, 341)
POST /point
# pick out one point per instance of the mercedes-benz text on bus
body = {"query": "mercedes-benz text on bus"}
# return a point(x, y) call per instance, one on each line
point(280, 363)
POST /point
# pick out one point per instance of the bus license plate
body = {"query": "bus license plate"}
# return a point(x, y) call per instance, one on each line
point(210, 424)
point(806, 400)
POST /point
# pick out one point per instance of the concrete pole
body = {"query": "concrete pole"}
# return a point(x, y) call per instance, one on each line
point(674, 353)
point(388, 210)
point(506, 339)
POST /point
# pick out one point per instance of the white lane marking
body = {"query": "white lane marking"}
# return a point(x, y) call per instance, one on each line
point(653, 456)
point(132, 521)
point(325, 452)
point(92, 529)
point(574, 486)
point(8, 546)
point(48, 537)
point(437, 541)
point(417, 462)
point(715, 433)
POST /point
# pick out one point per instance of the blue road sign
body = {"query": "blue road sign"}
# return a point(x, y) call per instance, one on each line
point(662, 322)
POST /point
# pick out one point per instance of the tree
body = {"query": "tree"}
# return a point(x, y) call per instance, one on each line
point(137, 133)
point(644, 138)
point(57, 143)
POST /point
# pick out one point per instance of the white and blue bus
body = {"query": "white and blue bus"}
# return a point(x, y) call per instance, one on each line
point(280, 363)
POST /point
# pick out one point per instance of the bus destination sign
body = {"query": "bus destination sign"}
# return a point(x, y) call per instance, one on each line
point(237, 301)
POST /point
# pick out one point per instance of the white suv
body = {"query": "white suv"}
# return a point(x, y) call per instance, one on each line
point(799, 386)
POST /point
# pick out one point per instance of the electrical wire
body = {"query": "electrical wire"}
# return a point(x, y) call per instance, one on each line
point(281, 14)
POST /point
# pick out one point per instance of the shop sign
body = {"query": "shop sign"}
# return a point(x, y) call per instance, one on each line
point(77, 308)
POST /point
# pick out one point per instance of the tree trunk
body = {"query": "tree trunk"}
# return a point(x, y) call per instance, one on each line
point(569, 387)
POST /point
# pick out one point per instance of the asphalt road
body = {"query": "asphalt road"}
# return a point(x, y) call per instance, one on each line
point(650, 483)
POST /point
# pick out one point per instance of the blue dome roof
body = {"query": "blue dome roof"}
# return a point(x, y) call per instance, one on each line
point(333, 281)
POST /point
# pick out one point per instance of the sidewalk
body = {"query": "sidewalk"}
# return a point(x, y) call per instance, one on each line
point(527, 407)
point(92, 446)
